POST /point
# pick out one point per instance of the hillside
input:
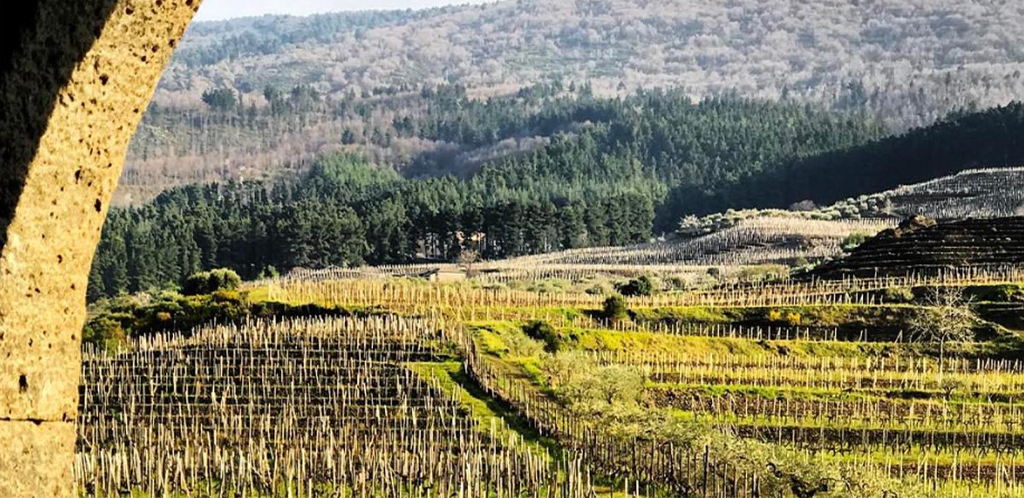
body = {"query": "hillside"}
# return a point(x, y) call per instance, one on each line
point(920, 246)
point(973, 193)
point(984, 139)
point(913, 59)
point(976, 193)
point(656, 160)
point(368, 82)
point(755, 241)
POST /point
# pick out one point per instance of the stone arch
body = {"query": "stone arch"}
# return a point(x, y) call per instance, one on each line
point(75, 78)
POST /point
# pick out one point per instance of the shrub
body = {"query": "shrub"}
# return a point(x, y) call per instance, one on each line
point(195, 284)
point(268, 272)
point(615, 308)
point(543, 332)
point(104, 332)
point(853, 240)
point(896, 295)
point(211, 281)
point(227, 296)
point(638, 287)
point(676, 282)
point(591, 389)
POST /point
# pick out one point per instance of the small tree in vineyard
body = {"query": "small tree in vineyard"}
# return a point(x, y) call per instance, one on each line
point(615, 308)
point(542, 331)
point(467, 258)
point(642, 286)
point(946, 316)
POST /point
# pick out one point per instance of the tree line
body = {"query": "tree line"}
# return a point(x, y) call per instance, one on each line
point(963, 140)
point(615, 171)
point(346, 212)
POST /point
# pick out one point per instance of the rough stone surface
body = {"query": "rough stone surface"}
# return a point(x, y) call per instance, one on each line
point(27, 446)
point(75, 78)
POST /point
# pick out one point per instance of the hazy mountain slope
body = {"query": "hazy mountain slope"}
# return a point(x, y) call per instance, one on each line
point(909, 62)
point(911, 59)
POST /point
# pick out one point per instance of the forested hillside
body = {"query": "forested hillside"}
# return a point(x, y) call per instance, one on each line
point(914, 59)
point(983, 139)
point(597, 180)
point(629, 170)
point(263, 98)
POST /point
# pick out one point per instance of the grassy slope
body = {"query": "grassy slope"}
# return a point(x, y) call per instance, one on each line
point(492, 415)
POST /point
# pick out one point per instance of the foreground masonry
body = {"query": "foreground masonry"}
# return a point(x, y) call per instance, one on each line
point(75, 78)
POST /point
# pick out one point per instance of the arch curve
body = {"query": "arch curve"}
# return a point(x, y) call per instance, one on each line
point(75, 78)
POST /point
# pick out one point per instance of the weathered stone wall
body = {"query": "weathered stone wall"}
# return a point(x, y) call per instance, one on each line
point(75, 77)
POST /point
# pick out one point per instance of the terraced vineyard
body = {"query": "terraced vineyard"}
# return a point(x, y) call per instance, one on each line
point(860, 409)
point(922, 246)
point(823, 388)
point(976, 193)
point(817, 372)
point(963, 422)
point(314, 407)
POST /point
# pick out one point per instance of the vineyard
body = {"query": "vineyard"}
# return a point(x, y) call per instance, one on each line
point(729, 254)
point(755, 241)
point(921, 245)
point(321, 407)
point(489, 387)
point(978, 193)
point(881, 417)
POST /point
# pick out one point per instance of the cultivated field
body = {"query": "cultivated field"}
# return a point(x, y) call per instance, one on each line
point(312, 407)
point(486, 387)
point(977, 193)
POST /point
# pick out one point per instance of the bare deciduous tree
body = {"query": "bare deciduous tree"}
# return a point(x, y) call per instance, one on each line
point(466, 260)
point(946, 316)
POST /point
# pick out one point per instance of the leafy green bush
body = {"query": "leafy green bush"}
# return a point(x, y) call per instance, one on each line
point(638, 287)
point(615, 308)
point(209, 282)
point(542, 331)
point(268, 272)
point(104, 332)
point(854, 240)
point(196, 284)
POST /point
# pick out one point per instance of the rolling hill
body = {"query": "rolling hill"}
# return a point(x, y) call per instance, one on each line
point(368, 82)
point(914, 59)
